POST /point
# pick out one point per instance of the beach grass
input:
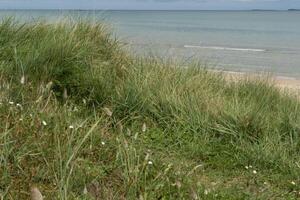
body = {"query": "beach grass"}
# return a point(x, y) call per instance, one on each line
point(81, 118)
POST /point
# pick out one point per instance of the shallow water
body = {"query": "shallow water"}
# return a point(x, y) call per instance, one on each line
point(230, 40)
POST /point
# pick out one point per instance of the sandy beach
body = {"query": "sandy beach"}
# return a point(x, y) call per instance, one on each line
point(283, 82)
point(288, 83)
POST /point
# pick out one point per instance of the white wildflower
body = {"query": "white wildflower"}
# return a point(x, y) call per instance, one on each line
point(103, 143)
point(44, 123)
point(22, 81)
point(293, 183)
point(150, 163)
point(71, 127)
point(11, 103)
point(246, 167)
point(206, 192)
point(254, 172)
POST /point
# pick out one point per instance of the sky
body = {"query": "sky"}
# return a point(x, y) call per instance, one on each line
point(151, 4)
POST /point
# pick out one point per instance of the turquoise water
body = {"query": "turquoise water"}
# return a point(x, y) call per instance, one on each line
point(230, 40)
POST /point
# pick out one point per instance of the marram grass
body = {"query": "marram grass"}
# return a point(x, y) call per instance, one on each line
point(80, 118)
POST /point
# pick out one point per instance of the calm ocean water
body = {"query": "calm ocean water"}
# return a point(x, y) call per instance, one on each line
point(229, 40)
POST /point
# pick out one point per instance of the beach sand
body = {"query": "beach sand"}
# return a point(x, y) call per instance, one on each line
point(293, 84)
point(283, 82)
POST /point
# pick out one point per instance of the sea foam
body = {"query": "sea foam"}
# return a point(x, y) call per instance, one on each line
point(224, 48)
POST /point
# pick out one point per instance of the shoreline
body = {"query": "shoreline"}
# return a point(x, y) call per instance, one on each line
point(283, 82)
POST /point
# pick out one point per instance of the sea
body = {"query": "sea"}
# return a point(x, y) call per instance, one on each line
point(239, 41)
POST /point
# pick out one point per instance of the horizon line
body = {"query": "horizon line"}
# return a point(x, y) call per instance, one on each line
point(77, 9)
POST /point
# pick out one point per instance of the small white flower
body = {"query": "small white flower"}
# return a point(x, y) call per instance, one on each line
point(44, 123)
point(21, 119)
point(246, 167)
point(150, 163)
point(11, 103)
point(250, 166)
point(103, 143)
point(265, 183)
point(293, 183)
point(71, 127)
point(206, 192)
point(22, 80)
point(254, 172)
point(19, 105)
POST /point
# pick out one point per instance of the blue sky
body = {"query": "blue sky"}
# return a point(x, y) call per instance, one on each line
point(150, 4)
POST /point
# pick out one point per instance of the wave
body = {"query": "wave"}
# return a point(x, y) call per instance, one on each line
point(224, 48)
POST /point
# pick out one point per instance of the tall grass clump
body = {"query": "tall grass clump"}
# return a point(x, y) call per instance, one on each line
point(70, 56)
point(82, 118)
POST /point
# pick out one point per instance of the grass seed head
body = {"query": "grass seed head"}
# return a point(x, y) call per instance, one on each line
point(35, 194)
point(144, 128)
point(108, 112)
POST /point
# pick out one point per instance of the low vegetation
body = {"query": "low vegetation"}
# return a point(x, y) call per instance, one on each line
point(80, 118)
